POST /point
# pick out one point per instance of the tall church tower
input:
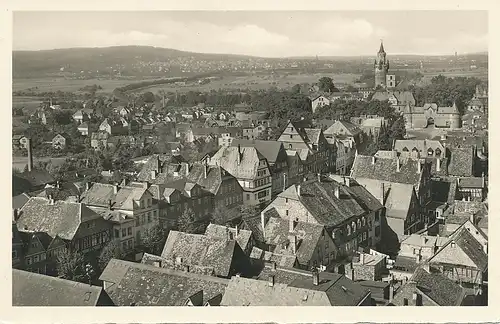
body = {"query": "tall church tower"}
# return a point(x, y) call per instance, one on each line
point(381, 67)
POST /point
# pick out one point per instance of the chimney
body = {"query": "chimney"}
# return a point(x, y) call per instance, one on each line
point(362, 258)
point(319, 177)
point(347, 181)
point(205, 171)
point(291, 225)
point(382, 193)
point(298, 190)
point(239, 154)
point(423, 240)
point(373, 159)
point(271, 280)
point(398, 165)
point(187, 169)
point(315, 277)
point(263, 223)
point(415, 299)
point(472, 218)
point(110, 203)
point(293, 242)
point(30, 154)
point(237, 230)
point(284, 181)
point(352, 274)
point(153, 174)
point(337, 191)
point(115, 189)
point(273, 265)
point(419, 166)
point(438, 164)
point(458, 181)
point(391, 292)
point(51, 200)
point(418, 258)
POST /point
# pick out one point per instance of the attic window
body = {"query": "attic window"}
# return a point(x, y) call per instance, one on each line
point(304, 298)
point(405, 149)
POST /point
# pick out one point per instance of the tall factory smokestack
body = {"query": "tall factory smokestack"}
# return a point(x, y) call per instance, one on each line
point(30, 155)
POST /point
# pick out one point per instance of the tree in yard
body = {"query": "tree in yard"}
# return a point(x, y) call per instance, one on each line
point(153, 239)
point(71, 266)
point(110, 251)
point(187, 221)
point(249, 211)
point(326, 84)
point(220, 216)
point(296, 88)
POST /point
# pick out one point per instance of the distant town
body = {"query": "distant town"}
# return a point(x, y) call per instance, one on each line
point(307, 183)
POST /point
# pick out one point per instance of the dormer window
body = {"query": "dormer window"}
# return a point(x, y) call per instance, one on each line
point(430, 151)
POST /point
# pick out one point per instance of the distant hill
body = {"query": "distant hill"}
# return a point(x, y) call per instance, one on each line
point(163, 62)
point(106, 59)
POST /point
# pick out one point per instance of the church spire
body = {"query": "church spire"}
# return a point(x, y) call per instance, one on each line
point(381, 50)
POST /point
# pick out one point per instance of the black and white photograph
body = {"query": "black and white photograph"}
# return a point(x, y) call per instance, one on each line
point(250, 158)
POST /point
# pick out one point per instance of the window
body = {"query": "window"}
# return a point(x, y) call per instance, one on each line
point(14, 254)
point(28, 260)
point(438, 152)
point(34, 244)
point(124, 245)
point(149, 217)
point(117, 233)
point(348, 229)
point(124, 232)
point(94, 240)
point(290, 146)
point(129, 231)
point(248, 196)
point(377, 216)
point(286, 212)
point(363, 221)
point(353, 227)
point(137, 221)
point(35, 259)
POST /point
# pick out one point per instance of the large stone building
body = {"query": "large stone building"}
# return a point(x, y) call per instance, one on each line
point(432, 115)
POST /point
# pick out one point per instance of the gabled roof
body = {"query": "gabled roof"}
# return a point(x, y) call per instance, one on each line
point(36, 177)
point(332, 290)
point(223, 232)
point(242, 162)
point(213, 180)
point(470, 247)
point(33, 289)
point(145, 285)
point(350, 128)
point(62, 218)
point(202, 250)
point(385, 169)
point(328, 210)
point(440, 289)
point(423, 146)
point(307, 234)
point(269, 149)
point(100, 194)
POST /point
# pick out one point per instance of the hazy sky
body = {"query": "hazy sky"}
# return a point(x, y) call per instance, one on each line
point(264, 33)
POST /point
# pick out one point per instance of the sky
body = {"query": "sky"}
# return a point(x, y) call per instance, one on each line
point(264, 33)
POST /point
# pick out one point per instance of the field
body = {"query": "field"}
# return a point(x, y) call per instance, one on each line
point(254, 82)
point(71, 85)
point(227, 82)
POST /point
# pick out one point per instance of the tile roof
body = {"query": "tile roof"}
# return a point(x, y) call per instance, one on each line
point(352, 130)
point(61, 218)
point(161, 163)
point(437, 287)
point(461, 162)
point(471, 182)
point(294, 288)
point(219, 231)
point(202, 250)
point(33, 289)
point(385, 169)
point(100, 194)
point(227, 158)
point(421, 145)
point(214, 179)
point(470, 246)
point(308, 235)
point(424, 240)
point(146, 285)
point(283, 260)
